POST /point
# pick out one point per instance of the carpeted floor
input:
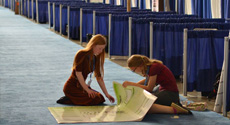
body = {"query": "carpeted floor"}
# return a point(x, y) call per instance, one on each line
point(34, 65)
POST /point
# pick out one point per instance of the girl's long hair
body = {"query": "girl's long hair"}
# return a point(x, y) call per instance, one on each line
point(140, 60)
point(88, 51)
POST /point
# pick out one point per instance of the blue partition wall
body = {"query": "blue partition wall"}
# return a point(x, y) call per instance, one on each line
point(205, 58)
point(140, 36)
point(102, 23)
point(119, 37)
point(74, 23)
point(43, 11)
point(64, 20)
point(87, 25)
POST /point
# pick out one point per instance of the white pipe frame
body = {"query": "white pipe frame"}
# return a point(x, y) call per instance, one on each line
point(226, 58)
point(109, 35)
point(185, 62)
point(81, 25)
point(151, 40)
point(49, 15)
point(37, 13)
point(54, 16)
point(94, 22)
point(60, 19)
point(130, 36)
point(28, 8)
point(32, 6)
point(68, 21)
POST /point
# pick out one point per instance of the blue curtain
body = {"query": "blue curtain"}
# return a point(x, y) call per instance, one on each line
point(227, 14)
point(87, 23)
point(202, 8)
point(205, 58)
point(30, 9)
point(74, 26)
point(111, 2)
point(172, 5)
point(181, 6)
point(34, 14)
point(57, 17)
point(158, 41)
point(119, 39)
point(140, 37)
point(142, 4)
point(102, 20)
point(64, 20)
point(43, 11)
point(207, 13)
point(51, 14)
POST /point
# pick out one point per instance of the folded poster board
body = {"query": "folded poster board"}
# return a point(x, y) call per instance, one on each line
point(132, 105)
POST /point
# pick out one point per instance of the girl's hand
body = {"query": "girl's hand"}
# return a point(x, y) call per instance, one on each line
point(91, 93)
point(125, 84)
point(111, 99)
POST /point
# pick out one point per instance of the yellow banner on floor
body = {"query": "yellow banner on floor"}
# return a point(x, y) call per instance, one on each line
point(132, 105)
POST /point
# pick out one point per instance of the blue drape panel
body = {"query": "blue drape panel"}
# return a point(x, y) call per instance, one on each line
point(57, 17)
point(172, 5)
point(30, 9)
point(119, 38)
point(87, 23)
point(43, 11)
point(181, 6)
point(74, 25)
point(111, 2)
point(170, 46)
point(158, 41)
point(140, 37)
point(34, 14)
point(202, 8)
point(51, 14)
point(207, 13)
point(25, 12)
point(205, 48)
point(102, 20)
point(6, 3)
point(64, 20)
point(227, 15)
point(168, 42)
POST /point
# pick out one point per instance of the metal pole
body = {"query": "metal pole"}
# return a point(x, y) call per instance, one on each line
point(94, 22)
point(54, 16)
point(60, 19)
point(185, 62)
point(28, 8)
point(68, 21)
point(49, 15)
point(81, 26)
point(151, 40)
point(110, 17)
point(226, 55)
point(32, 6)
point(37, 13)
point(130, 36)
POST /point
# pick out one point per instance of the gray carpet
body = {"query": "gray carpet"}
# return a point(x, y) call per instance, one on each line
point(36, 62)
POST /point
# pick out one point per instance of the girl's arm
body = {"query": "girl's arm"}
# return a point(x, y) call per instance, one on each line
point(80, 78)
point(103, 88)
point(141, 82)
point(149, 87)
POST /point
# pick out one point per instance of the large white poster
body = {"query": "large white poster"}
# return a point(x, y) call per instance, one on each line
point(132, 105)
